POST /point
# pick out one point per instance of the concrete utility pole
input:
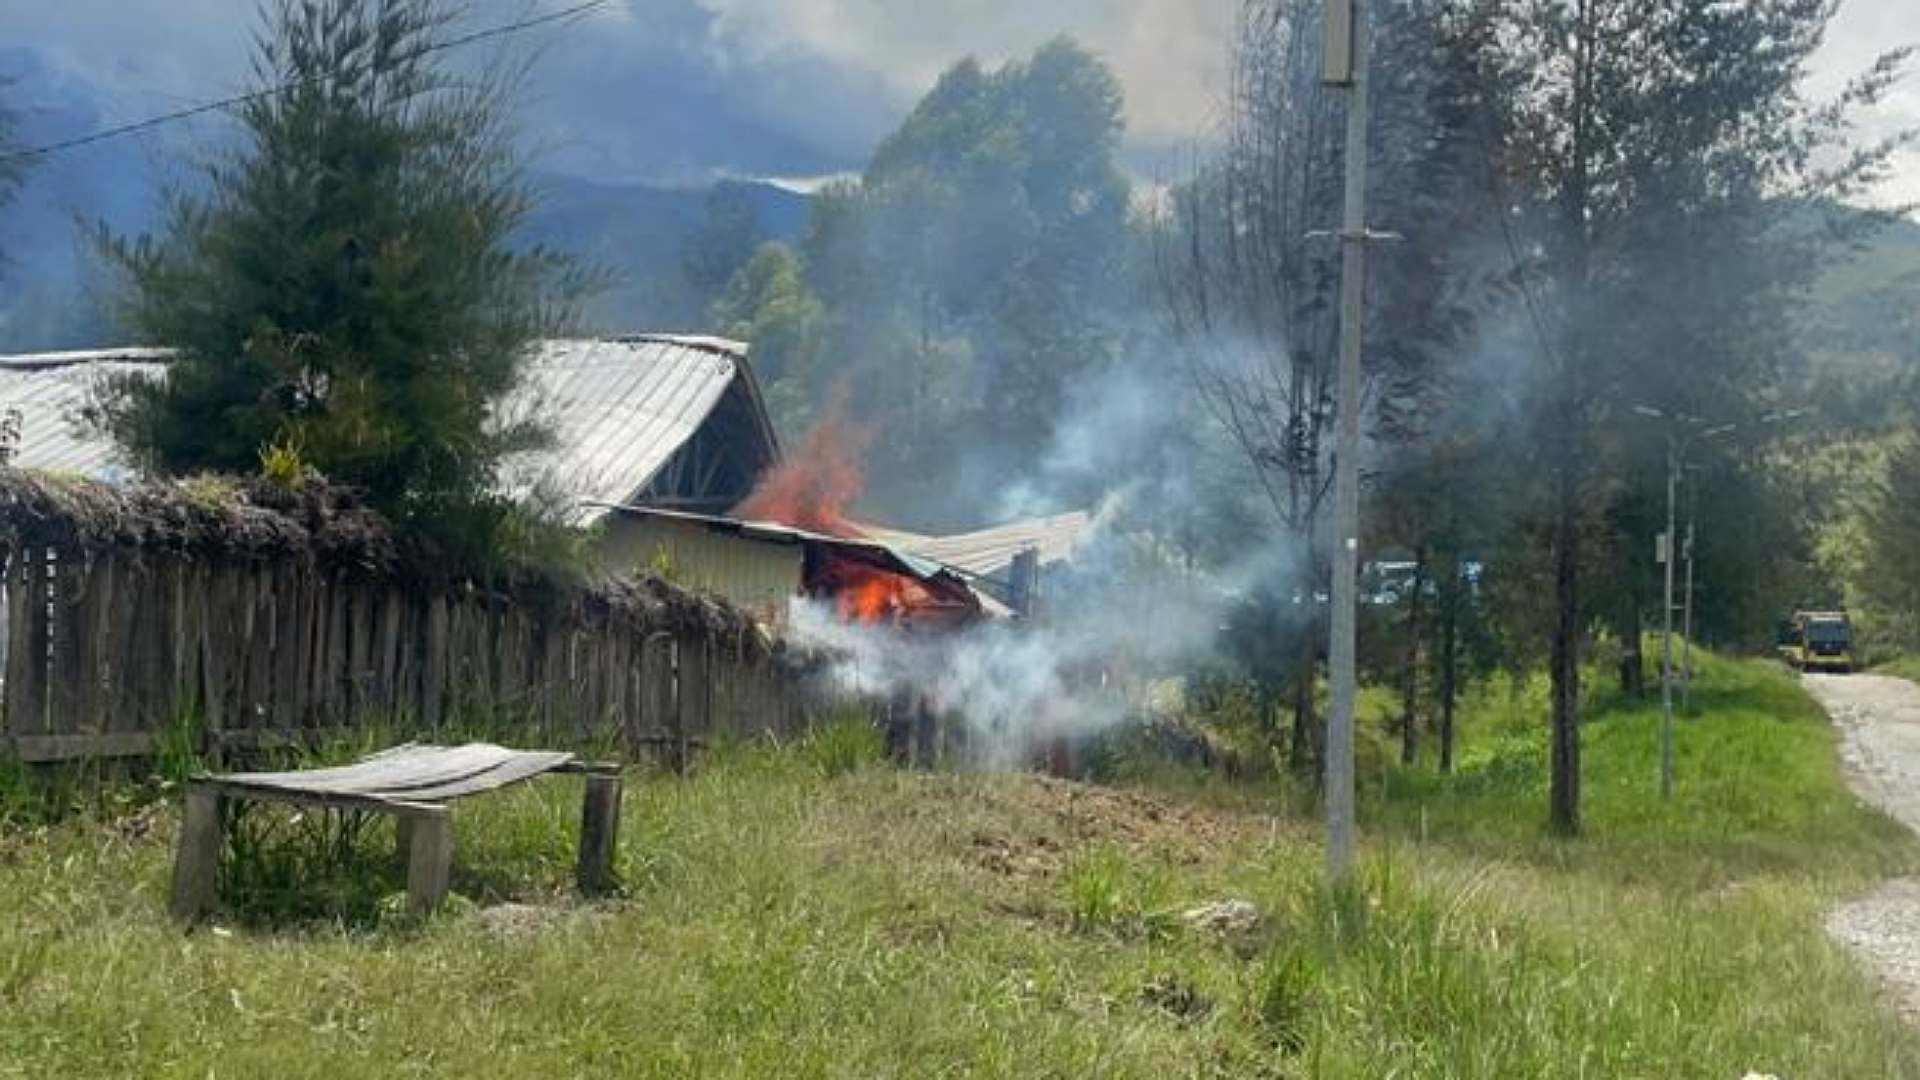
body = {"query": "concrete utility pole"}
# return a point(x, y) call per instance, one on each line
point(1345, 64)
point(1686, 605)
point(1677, 444)
point(1666, 632)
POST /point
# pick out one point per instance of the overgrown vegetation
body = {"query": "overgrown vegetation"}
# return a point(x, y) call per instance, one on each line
point(788, 919)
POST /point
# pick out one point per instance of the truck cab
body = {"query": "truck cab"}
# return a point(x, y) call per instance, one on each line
point(1826, 641)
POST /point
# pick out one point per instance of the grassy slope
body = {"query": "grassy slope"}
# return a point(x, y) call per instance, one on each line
point(782, 922)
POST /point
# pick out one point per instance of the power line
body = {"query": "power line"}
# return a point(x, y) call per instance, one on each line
point(242, 99)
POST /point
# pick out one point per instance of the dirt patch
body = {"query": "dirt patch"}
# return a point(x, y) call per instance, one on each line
point(1883, 928)
point(1878, 718)
point(515, 922)
point(1015, 856)
point(1046, 818)
point(1135, 819)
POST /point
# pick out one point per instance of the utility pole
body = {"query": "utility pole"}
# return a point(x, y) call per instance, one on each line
point(1666, 635)
point(1344, 63)
point(1686, 620)
point(1678, 440)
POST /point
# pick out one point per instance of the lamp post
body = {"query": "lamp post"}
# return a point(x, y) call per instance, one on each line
point(1676, 447)
point(1682, 432)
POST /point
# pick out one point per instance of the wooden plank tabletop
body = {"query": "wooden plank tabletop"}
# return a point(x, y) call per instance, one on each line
point(407, 775)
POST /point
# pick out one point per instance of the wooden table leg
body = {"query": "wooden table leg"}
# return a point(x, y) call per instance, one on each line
point(196, 867)
point(429, 858)
point(403, 839)
point(599, 833)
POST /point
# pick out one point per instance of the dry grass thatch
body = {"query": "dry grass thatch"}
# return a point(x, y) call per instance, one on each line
point(321, 528)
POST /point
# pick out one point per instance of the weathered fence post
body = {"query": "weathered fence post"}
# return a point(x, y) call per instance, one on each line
point(599, 830)
point(196, 869)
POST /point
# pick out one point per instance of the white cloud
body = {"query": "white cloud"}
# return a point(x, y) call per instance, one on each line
point(879, 56)
point(1170, 55)
point(1862, 31)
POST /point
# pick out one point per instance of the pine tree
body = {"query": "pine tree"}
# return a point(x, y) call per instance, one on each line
point(344, 287)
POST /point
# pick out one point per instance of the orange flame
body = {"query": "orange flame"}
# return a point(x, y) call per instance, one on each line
point(812, 487)
point(873, 596)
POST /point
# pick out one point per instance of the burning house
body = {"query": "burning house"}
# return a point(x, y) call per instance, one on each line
point(657, 437)
point(762, 566)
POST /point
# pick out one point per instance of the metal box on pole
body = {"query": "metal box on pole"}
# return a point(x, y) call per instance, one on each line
point(1336, 66)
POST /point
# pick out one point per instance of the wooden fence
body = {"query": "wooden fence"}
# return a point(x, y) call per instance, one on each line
point(115, 643)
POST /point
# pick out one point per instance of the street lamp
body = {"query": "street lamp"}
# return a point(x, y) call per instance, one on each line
point(1676, 448)
point(1679, 438)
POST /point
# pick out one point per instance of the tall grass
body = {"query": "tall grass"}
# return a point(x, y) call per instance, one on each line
point(1756, 785)
point(799, 912)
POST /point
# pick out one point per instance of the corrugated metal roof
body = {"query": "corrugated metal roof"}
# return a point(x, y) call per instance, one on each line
point(49, 389)
point(620, 408)
point(898, 559)
point(990, 552)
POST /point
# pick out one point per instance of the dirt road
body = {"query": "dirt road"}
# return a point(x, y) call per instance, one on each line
point(1879, 722)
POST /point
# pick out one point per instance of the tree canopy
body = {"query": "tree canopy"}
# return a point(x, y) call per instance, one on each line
point(975, 268)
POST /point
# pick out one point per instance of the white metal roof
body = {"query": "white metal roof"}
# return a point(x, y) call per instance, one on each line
point(990, 552)
point(620, 408)
point(48, 390)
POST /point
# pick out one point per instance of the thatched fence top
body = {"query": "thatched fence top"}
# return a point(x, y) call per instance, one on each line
point(208, 517)
point(248, 607)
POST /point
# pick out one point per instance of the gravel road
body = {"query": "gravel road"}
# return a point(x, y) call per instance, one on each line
point(1878, 718)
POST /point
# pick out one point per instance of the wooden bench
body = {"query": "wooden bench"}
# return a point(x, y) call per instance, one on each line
point(412, 782)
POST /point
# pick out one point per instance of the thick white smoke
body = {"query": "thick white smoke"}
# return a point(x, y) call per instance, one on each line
point(1112, 634)
point(1116, 627)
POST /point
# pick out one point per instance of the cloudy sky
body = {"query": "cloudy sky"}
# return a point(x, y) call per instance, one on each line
point(684, 89)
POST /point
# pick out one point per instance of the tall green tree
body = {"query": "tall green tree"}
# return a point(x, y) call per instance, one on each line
point(1642, 154)
point(729, 234)
point(768, 305)
point(342, 283)
point(976, 268)
point(1891, 578)
point(1253, 304)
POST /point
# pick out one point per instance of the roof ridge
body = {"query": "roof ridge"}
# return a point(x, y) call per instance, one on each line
point(124, 354)
point(148, 354)
point(720, 346)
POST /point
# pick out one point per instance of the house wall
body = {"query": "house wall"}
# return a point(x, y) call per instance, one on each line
point(759, 576)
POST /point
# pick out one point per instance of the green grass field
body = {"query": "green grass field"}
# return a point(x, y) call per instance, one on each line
point(807, 912)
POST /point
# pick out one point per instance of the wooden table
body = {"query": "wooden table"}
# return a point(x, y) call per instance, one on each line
point(414, 783)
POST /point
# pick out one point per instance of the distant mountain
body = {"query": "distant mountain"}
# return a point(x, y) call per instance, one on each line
point(51, 296)
point(1862, 329)
point(645, 236)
